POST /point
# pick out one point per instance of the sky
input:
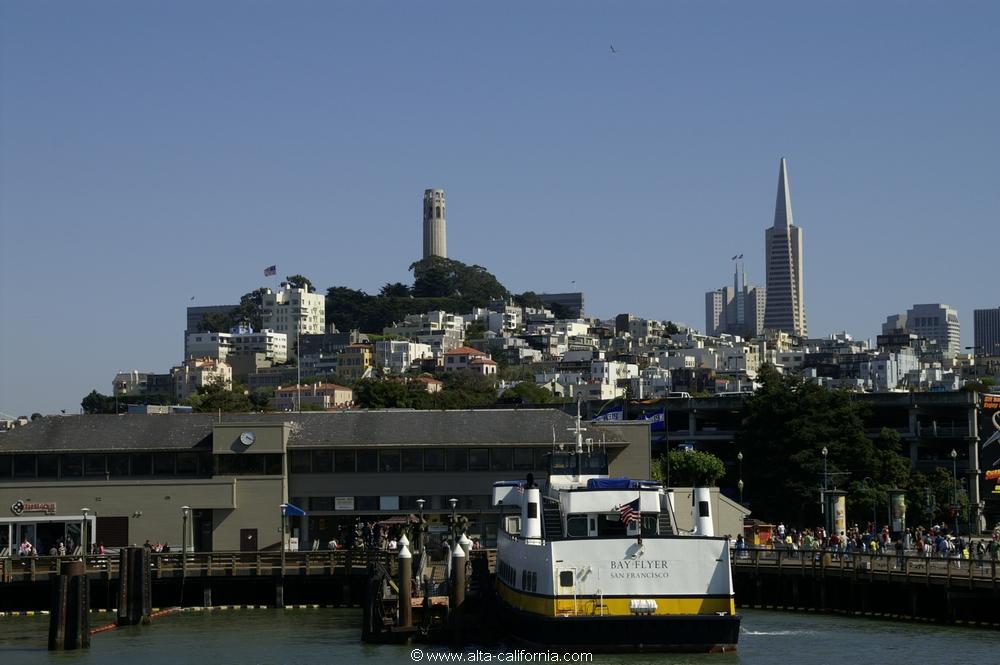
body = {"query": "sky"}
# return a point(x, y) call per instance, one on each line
point(155, 152)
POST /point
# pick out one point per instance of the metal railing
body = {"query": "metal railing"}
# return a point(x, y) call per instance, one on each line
point(204, 564)
point(882, 565)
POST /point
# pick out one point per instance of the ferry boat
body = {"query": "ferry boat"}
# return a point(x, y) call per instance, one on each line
point(595, 563)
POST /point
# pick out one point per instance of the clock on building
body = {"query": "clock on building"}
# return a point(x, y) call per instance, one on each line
point(247, 438)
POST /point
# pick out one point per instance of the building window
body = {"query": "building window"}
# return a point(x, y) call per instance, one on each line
point(389, 461)
point(367, 461)
point(523, 460)
point(118, 465)
point(479, 459)
point(344, 461)
point(48, 466)
point(24, 466)
point(142, 464)
point(164, 464)
point(457, 459)
point(187, 464)
point(71, 466)
point(434, 459)
point(500, 459)
point(300, 461)
point(412, 460)
point(322, 461)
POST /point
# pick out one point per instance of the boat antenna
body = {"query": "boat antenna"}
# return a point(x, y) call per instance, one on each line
point(578, 430)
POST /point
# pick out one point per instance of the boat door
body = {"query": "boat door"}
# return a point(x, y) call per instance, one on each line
point(566, 601)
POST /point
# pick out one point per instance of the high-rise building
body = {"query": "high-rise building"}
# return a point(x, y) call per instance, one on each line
point(934, 322)
point(435, 231)
point(785, 309)
point(737, 309)
point(294, 311)
point(986, 331)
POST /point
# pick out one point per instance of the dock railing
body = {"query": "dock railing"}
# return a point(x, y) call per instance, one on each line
point(951, 570)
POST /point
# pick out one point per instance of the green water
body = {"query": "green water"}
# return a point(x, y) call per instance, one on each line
point(330, 637)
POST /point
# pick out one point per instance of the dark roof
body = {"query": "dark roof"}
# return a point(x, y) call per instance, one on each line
point(344, 428)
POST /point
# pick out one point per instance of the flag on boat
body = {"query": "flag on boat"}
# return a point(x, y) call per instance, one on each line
point(629, 512)
point(270, 270)
point(613, 414)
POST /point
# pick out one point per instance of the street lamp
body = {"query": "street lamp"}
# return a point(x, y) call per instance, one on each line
point(739, 484)
point(420, 526)
point(871, 487)
point(83, 532)
point(184, 531)
point(824, 451)
point(822, 492)
point(954, 487)
point(453, 502)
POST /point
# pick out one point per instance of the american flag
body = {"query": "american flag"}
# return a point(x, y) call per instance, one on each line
point(270, 270)
point(629, 512)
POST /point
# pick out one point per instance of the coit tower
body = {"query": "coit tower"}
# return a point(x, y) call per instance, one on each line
point(435, 232)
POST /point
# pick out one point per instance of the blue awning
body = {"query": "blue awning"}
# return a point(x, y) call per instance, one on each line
point(289, 510)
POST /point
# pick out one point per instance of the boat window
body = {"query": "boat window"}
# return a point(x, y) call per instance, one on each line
point(610, 526)
point(532, 510)
point(566, 578)
point(595, 464)
point(563, 464)
point(576, 526)
point(512, 525)
point(649, 525)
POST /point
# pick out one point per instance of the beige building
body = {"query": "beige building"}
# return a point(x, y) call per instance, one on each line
point(294, 312)
point(322, 396)
point(197, 373)
point(356, 361)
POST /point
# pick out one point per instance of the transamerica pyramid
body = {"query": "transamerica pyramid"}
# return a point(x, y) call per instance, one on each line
point(785, 307)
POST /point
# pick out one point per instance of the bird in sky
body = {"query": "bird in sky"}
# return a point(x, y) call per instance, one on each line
point(614, 51)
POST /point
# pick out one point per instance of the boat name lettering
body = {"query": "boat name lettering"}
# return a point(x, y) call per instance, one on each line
point(638, 564)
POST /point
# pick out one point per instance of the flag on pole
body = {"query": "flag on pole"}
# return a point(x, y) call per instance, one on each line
point(270, 270)
point(629, 512)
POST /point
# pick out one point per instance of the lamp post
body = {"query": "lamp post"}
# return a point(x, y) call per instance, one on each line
point(420, 526)
point(83, 532)
point(954, 487)
point(871, 487)
point(453, 502)
point(184, 531)
point(739, 484)
point(822, 493)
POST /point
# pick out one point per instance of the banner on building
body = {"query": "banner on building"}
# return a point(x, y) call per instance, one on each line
point(613, 414)
point(655, 419)
point(989, 454)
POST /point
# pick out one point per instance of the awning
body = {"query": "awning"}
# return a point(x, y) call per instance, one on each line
point(289, 510)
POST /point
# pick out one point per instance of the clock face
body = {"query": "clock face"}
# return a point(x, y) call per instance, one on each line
point(247, 438)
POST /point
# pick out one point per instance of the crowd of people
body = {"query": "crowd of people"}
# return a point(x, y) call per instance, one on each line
point(936, 541)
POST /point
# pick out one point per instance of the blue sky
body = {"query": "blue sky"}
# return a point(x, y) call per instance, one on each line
point(154, 151)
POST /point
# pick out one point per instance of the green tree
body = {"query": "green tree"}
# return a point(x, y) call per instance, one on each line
point(346, 307)
point(395, 290)
point(95, 402)
point(250, 309)
point(214, 398)
point(465, 390)
point(526, 392)
point(214, 322)
point(300, 282)
point(689, 468)
point(36, 416)
point(787, 425)
point(374, 394)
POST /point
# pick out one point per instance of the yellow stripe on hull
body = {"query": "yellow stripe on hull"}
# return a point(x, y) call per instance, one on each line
point(594, 606)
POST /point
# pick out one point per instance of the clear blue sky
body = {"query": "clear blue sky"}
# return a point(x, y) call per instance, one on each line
point(154, 151)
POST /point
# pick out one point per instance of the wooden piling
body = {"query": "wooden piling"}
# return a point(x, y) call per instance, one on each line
point(457, 578)
point(69, 623)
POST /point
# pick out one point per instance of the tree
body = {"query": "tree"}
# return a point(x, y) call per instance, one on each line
point(526, 392)
point(787, 425)
point(395, 290)
point(689, 468)
point(95, 402)
point(671, 328)
point(300, 282)
point(465, 389)
point(214, 398)
point(36, 416)
point(213, 322)
point(346, 307)
point(250, 309)
point(372, 394)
